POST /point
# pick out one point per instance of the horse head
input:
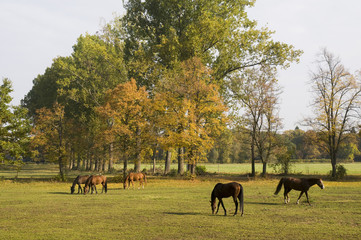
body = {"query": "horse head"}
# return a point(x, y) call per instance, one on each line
point(72, 189)
point(86, 190)
point(320, 184)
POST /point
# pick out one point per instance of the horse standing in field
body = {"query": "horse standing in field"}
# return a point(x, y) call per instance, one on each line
point(94, 180)
point(221, 190)
point(299, 184)
point(78, 181)
point(135, 177)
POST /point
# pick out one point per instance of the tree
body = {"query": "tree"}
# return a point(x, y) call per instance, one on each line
point(50, 136)
point(167, 32)
point(257, 91)
point(193, 110)
point(14, 127)
point(335, 103)
point(128, 106)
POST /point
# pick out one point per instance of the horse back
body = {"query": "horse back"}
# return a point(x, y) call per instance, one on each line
point(82, 179)
point(227, 190)
point(300, 184)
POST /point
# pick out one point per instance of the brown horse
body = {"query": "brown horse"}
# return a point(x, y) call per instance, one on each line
point(94, 180)
point(221, 190)
point(78, 181)
point(299, 184)
point(135, 177)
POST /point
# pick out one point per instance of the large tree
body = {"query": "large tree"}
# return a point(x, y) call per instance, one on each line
point(257, 92)
point(166, 32)
point(14, 126)
point(336, 102)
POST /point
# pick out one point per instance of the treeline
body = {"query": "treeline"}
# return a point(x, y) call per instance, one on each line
point(195, 79)
point(301, 145)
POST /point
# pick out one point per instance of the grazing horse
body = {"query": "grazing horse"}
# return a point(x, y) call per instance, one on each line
point(78, 181)
point(224, 191)
point(135, 177)
point(94, 180)
point(299, 184)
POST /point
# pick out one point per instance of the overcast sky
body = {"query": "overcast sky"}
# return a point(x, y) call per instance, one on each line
point(33, 33)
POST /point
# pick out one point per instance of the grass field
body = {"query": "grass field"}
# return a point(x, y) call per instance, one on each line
point(170, 208)
point(176, 209)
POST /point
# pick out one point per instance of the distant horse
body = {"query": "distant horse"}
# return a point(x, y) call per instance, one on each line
point(78, 181)
point(221, 190)
point(94, 180)
point(299, 184)
point(135, 177)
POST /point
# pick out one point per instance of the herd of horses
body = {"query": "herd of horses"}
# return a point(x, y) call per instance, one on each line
point(220, 190)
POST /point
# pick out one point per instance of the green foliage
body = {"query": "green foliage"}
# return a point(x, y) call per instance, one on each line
point(341, 172)
point(14, 126)
point(201, 170)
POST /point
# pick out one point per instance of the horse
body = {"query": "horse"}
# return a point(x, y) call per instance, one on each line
point(78, 181)
point(221, 190)
point(94, 180)
point(135, 177)
point(299, 184)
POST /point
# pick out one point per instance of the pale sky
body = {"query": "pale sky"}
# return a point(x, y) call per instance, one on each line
point(34, 32)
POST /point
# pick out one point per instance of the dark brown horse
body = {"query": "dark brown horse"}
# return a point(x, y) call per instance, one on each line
point(94, 180)
point(135, 177)
point(221, 190)
point(78, 181)
point(299, 184)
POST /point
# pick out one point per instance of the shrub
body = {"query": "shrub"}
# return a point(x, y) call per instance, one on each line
point(201, 170)
point(341, 172)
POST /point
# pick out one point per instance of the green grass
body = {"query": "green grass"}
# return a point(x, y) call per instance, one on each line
point(176, 209)
point(47, 171)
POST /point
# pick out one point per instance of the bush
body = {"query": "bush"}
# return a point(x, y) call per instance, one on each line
point(341, 172)
point(201, 170)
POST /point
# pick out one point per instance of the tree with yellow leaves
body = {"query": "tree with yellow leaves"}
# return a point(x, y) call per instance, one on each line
point(126, 108)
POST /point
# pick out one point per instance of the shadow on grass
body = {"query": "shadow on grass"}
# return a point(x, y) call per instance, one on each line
point(263, 203)
point(62, 193)
point(183, 213)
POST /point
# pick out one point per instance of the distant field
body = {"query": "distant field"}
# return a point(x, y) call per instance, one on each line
point(47, 171)
point(176, 209)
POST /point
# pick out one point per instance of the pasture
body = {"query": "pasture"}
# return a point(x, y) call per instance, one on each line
point(177, 209)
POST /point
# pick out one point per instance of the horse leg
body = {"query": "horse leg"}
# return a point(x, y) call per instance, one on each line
point(219, 202)
point(236, 203)
point(285, 196)
point(307, 198)
point(298, 200)
point(140, 183)
point(225, 211)
point(79, 188)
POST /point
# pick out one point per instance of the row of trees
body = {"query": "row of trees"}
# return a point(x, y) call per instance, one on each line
point(181, 76)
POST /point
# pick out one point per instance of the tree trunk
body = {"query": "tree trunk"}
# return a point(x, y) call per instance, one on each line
point(154, 158)
point(180, 161)
point(253, 157)
point(110, 164)
point(125, 166)
point(167, 162)
point(264, 168)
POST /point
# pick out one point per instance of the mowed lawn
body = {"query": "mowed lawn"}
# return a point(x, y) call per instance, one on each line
point(177, 209)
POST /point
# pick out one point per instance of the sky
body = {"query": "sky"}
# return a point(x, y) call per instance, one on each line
point(33, 33)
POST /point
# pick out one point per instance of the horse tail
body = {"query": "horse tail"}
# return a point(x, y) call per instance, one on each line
point(279, 186)
point(125, 181)
point(106, 185)
point(240, 197)
point(145, 178)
